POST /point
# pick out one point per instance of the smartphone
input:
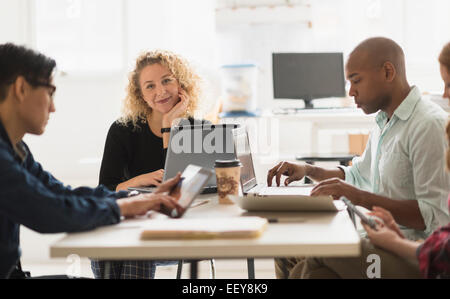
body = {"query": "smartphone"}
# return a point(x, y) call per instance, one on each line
point(370, 222)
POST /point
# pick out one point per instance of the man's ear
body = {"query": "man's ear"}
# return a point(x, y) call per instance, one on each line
point(20, 88)
point(389, 71)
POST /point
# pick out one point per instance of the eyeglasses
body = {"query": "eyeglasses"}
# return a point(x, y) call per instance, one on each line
point(51, 87)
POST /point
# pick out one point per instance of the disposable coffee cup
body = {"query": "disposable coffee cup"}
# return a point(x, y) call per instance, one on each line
point(228, 175)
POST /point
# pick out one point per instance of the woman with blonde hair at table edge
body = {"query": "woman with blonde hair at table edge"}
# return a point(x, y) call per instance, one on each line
point(163, 91)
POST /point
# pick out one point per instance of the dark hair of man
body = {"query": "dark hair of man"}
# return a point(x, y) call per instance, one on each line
point(17, 61)
point(444, 58)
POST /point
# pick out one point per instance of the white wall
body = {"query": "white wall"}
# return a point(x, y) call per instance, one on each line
point(15, 21)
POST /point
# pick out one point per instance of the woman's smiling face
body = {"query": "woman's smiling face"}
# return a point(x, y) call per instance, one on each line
point(159, 88)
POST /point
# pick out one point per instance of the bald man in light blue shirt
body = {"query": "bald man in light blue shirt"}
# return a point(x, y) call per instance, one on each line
point(405, 160)
point(403, 166)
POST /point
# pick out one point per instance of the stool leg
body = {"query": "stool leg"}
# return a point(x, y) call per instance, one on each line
point(213, 269)
point(179, 269)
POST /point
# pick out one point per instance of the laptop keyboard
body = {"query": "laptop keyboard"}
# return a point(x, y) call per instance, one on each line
point(209, 190)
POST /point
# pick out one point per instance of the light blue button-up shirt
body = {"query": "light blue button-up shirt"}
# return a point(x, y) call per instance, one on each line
point(405, 159)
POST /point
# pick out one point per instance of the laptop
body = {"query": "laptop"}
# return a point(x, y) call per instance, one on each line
point(260, 197)
point(199, 145)
point(193, 179)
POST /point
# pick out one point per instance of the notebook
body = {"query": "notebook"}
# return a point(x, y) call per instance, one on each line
point(205, 228)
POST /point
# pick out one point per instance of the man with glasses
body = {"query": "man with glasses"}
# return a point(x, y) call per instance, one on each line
point(31, 196)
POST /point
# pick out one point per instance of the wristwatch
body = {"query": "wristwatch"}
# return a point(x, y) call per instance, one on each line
point(165, 130)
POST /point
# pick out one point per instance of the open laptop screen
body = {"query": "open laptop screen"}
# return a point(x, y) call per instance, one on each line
point(244, 154)
point(199, 145)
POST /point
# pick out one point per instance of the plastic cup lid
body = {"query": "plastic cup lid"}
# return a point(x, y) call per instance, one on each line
point(227, 163)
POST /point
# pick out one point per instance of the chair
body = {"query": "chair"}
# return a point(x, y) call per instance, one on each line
point(212, 269)
point(250, 268)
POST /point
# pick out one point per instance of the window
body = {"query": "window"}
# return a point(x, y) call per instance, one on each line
point(82, 35)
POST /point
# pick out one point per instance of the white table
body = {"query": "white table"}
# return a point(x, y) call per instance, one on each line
point(317, 234)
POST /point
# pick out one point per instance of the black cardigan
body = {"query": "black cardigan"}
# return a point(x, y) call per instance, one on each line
point(130, 152)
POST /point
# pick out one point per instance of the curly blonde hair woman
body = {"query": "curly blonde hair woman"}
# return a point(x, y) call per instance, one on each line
point(162, 88)
point(136, 107)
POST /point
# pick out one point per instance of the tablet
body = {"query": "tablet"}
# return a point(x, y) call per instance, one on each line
point(193, 179)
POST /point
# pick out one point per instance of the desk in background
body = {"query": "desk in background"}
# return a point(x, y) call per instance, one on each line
point(306, 132)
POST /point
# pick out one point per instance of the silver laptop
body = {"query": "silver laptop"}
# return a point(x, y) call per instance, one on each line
point(260, 197)
point(200, 145)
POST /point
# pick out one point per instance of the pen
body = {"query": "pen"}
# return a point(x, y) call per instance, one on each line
point(199, 203)
point(285, 220)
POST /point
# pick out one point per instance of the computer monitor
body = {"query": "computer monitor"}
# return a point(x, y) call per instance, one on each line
point(308, 76)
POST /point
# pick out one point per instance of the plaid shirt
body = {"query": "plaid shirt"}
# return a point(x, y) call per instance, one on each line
point(434, 254)
point(127, 269)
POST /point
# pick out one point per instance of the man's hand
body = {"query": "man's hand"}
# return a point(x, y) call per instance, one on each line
point(168, 185)
point(337, 188)
point(294, 172)
point(141, 204)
